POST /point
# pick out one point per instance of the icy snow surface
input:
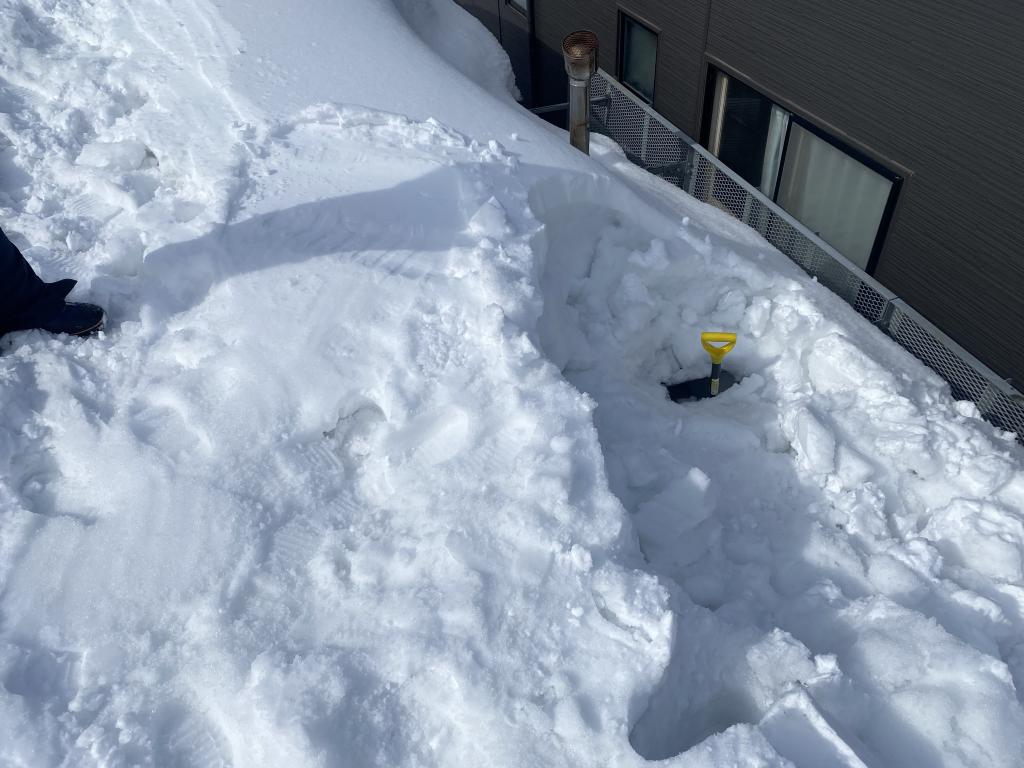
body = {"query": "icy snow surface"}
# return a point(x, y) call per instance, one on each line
point(374, 466)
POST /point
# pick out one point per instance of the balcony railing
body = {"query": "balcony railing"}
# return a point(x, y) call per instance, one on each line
point(653, 143)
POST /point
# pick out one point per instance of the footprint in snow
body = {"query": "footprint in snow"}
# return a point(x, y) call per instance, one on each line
point(433, 438)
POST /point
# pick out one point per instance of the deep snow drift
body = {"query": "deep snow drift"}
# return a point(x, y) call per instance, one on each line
point(374, 467)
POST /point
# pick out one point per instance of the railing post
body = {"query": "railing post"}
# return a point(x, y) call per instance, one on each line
point(886, 318)
point(645, 136)
point(748, 201)
point(987, 400)
point(688, 161)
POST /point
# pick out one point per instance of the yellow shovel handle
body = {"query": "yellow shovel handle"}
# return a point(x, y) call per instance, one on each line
point(709, 339)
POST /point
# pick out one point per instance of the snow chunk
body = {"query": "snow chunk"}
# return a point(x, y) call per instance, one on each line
point(668, 523)
point(115, 155)
point(490, 221)
point(801, 733)
point(983, 536)
point(816, 445)
point(936, 700)
point(835, 364)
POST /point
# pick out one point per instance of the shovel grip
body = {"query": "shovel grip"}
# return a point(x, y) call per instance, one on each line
point(708, 340)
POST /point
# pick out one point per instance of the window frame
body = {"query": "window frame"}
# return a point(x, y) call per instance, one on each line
point(896, 178)
point(625, 14)
point(864, 159)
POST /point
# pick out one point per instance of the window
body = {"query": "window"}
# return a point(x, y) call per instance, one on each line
point(638, 56)
point(830, 188)
point(833, 194)
point(744, 134)
point(523, 6)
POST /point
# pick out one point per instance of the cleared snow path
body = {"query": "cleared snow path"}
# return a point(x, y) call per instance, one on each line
point(330, 491)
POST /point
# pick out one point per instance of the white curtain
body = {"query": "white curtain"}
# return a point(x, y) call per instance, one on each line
point(773, 149)
point(833, 194)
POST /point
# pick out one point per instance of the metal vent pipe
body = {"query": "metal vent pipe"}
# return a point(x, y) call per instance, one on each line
point(580, 52)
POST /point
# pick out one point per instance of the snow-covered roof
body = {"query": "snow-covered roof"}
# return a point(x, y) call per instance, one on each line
point(374, 465)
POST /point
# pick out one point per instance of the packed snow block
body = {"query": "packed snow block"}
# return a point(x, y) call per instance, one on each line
point(934, 700)
point(720, 434)
point(892, 577)
point(815, 444)
point(983, 536)
point(852, 468)
point(799, 732)
point(119, 156)
point(672, 524)
point(773, 664)
point(836, 365)
point(490, 221)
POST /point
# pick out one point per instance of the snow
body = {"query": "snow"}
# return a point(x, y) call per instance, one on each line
point(374, 465)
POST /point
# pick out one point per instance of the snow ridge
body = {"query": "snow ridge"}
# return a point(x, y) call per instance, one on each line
point(318, 552)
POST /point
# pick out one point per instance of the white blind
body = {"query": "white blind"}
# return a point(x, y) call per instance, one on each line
point(833, 194)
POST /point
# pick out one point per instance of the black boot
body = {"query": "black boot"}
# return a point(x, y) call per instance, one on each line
point(76, 319)
point(27, 302)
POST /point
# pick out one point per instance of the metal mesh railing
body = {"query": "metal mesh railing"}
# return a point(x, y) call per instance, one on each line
point(653, 143)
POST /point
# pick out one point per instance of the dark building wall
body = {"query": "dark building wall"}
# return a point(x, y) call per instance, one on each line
point(934, 87)
point(930, 88)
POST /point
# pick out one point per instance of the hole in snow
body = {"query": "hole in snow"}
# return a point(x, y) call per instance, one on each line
point(619, 283)
point(666, 729)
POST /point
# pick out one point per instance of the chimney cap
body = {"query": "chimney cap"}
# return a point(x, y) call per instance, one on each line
point(580, 51)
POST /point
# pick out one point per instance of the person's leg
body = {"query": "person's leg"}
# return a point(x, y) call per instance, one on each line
point(19, 285)
point(26, 301)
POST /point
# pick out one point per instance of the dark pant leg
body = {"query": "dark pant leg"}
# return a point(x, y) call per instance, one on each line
point(25, 300)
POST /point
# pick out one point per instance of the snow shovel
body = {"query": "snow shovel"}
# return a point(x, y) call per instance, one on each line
point(717, 345)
